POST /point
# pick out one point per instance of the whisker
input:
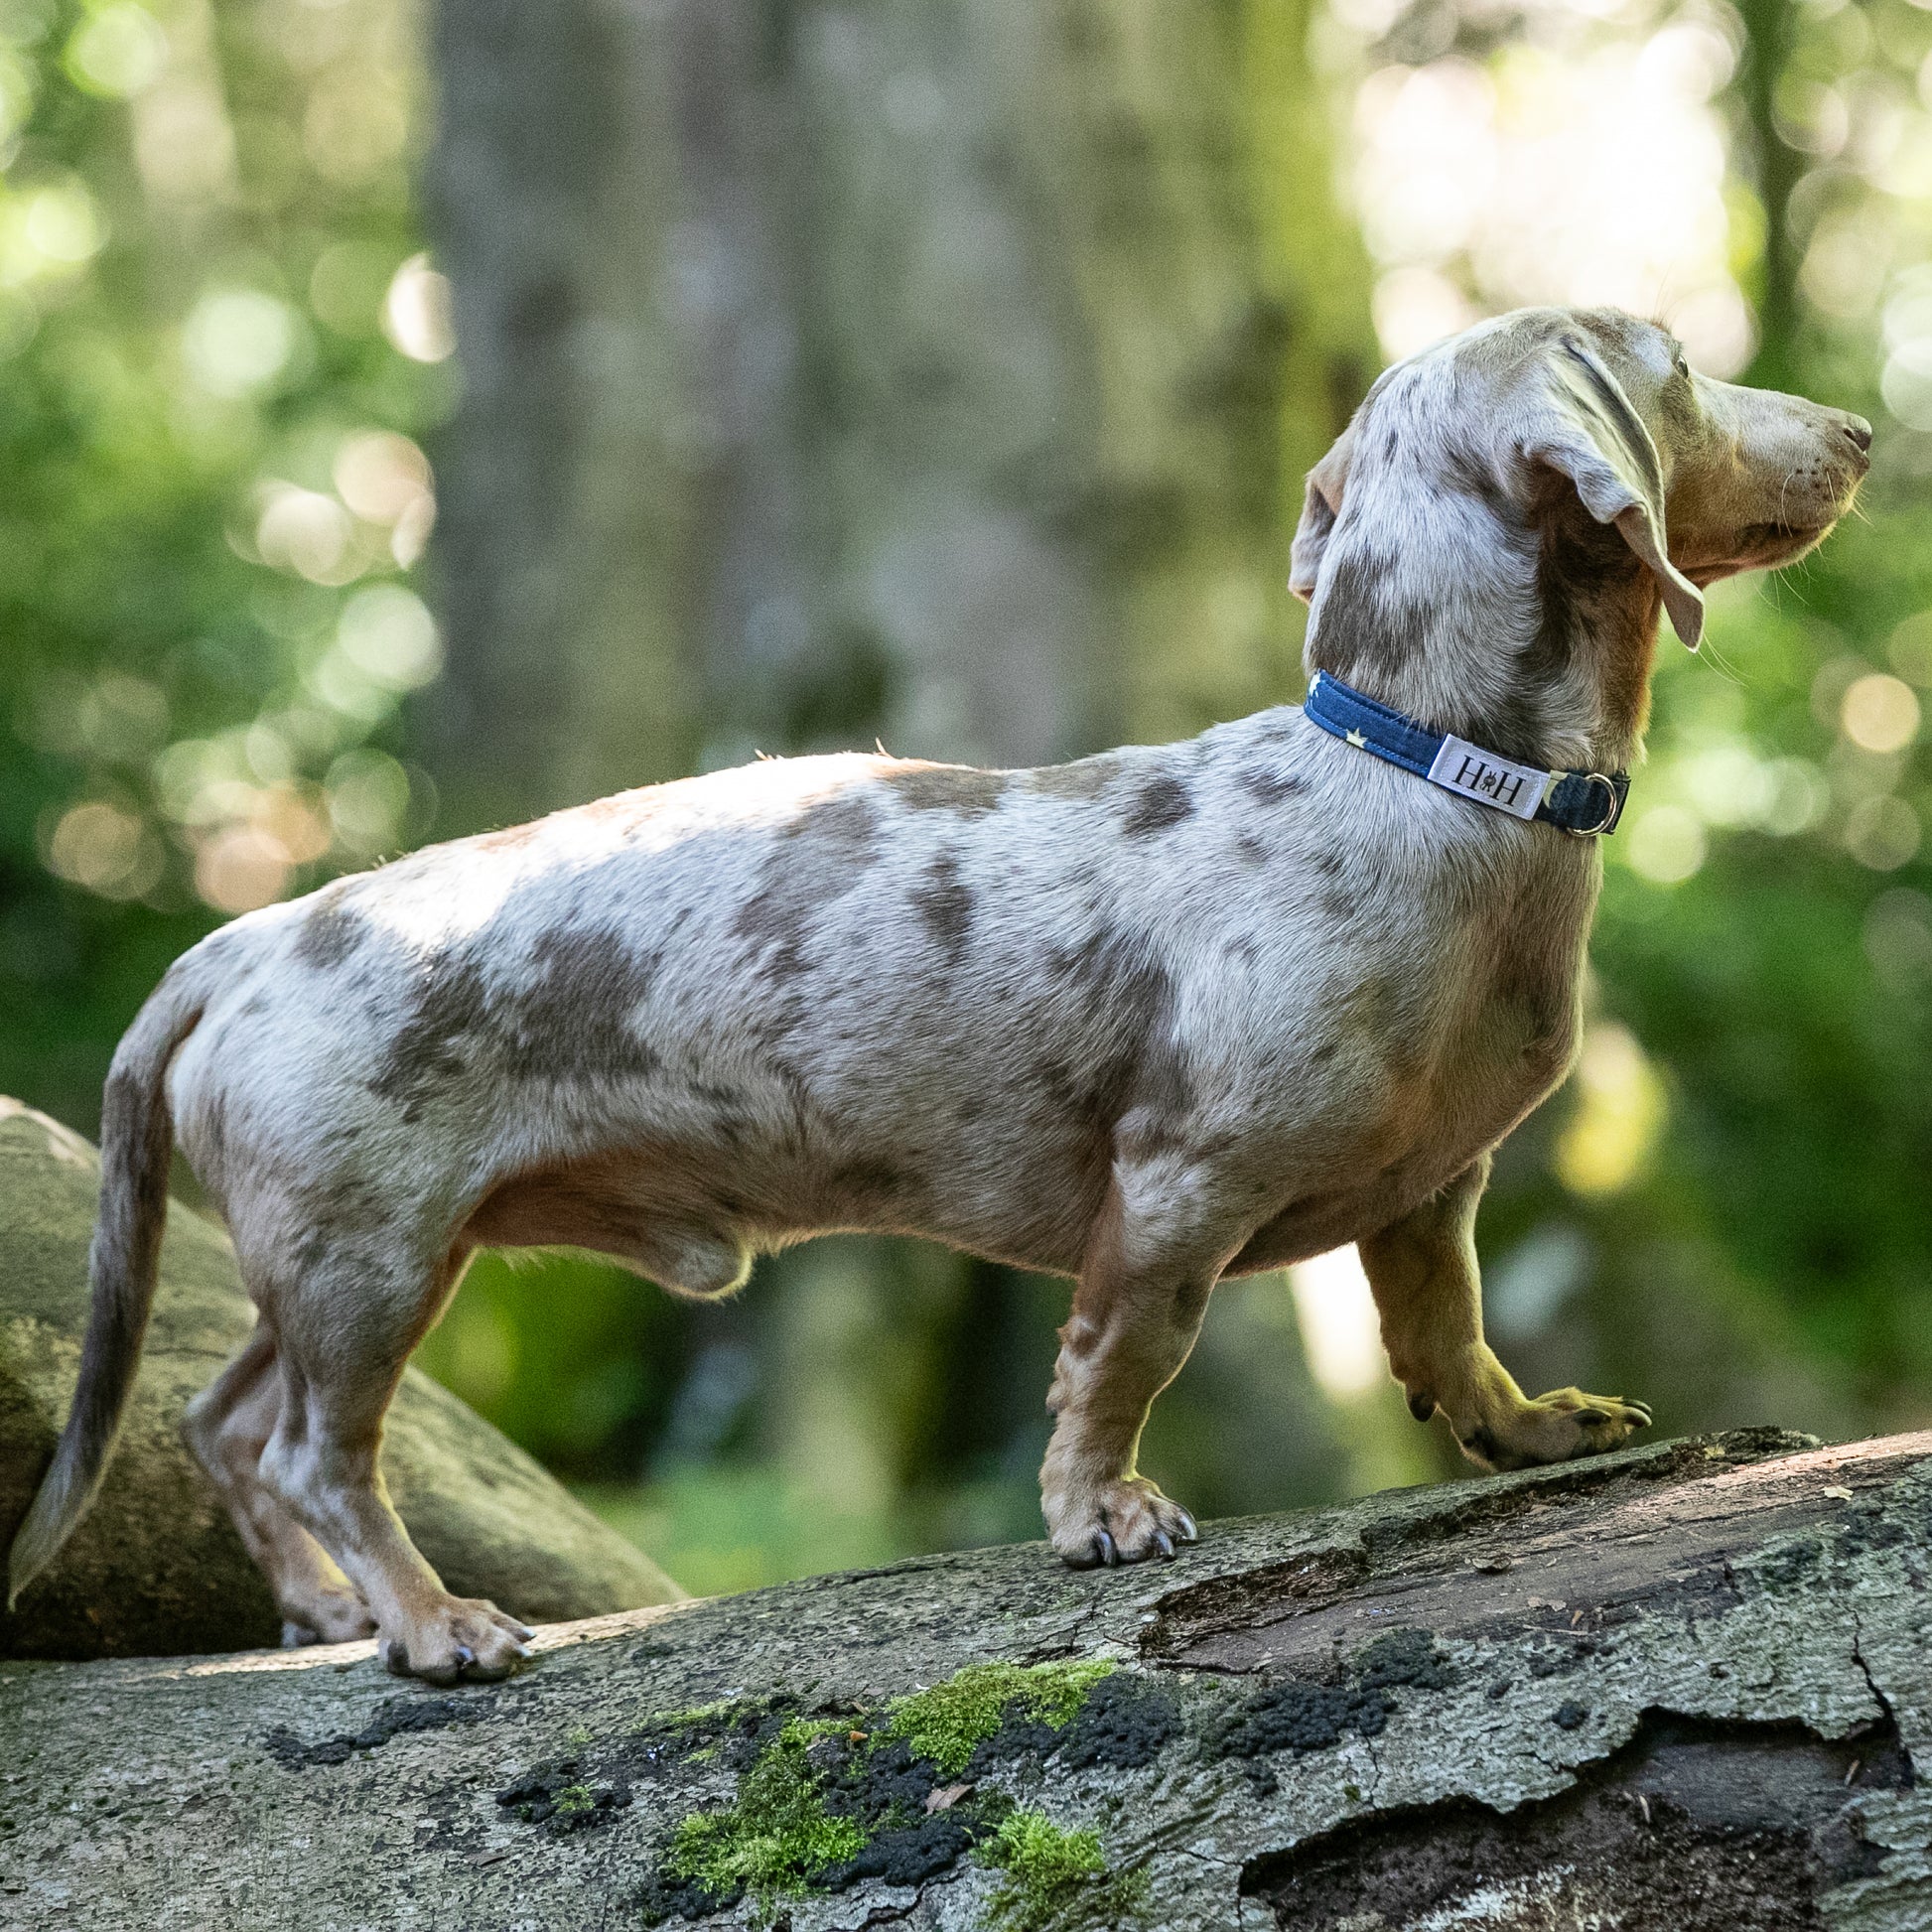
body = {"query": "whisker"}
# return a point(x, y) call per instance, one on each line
point(1721, 664)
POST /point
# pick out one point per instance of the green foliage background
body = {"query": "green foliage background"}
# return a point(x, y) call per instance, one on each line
point(193, 189)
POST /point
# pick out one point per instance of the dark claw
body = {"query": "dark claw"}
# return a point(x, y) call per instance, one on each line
point(1422, 1407)
point(1163, 1543)
point(1105, 1549)
point(464, 1656)
point(1189, 1532)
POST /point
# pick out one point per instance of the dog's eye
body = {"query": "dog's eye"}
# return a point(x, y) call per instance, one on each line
point(1682, 367)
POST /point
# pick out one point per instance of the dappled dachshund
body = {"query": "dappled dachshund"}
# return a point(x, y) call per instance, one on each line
point(1149, 1020)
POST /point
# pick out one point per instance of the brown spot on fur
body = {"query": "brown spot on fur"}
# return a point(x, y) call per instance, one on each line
point(575, 1019)
point(1350, 631)
point(570, 1020)
point(1270, 787)
point(1593, 596)
point(653, 1207)
point(815, 861)
point(1159, 803)
point(1084, 779)
point(959, 788)
point(451, 1008)
point(329, 934)
point(1134, 1063)
point(945, 905)
point(1249, 847)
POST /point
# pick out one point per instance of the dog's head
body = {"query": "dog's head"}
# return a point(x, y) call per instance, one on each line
point(1555, 475)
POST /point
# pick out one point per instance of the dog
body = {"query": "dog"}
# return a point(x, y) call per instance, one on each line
point(1149, 1020)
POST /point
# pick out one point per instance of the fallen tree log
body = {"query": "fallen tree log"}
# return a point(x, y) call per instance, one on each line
point(1671, 1690)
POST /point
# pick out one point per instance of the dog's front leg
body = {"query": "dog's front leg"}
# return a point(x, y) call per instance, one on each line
point(1429, 1293)
point(1136, 1311)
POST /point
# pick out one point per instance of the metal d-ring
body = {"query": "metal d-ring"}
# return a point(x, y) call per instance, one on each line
point(1610, 817)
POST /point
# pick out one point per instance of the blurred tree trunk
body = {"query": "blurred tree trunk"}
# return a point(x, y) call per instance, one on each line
point(562, 499)
point(1776, 167)
point(944, 372)
point(941, 372)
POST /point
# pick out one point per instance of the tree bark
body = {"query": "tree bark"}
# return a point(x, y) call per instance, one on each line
point(1683, 1688)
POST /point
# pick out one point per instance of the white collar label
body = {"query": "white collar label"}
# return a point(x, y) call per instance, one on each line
point(1514, 788)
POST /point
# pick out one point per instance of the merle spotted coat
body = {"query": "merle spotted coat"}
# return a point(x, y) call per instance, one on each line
point(1147, 1020)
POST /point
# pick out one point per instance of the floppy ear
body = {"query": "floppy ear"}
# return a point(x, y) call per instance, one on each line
point(1588, 428)
point(1319, 509)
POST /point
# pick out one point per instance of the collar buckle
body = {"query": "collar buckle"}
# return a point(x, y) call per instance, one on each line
point(1613, 812)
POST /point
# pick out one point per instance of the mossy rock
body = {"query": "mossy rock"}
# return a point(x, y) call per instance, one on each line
point(155, 1567)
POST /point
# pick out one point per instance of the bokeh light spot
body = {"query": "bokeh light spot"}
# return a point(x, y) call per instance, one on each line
point(380, 474)
point(240, 868)
point(304, 531)
point(1619, 1114)
point(417, 313)
point(52, 231)
point(1898, 939)
point(1342, 1335)
point(388, 635)
point(368, 796)
point(1910, 649)
point(1666, 844)
point(105, 849)
point(117, 52)
point(1879, 713)
point(1883, 832)
point(236, 342)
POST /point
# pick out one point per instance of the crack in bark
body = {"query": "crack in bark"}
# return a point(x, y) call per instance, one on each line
point(1871, 1682)
point(1692, 1825)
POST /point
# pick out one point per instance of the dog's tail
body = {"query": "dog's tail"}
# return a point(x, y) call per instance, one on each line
point(137, 1137)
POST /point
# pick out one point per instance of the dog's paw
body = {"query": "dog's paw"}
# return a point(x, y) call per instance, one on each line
point(1555, 1428)
point(327, 1616)
point(1124, 1521)
point(464, 1639)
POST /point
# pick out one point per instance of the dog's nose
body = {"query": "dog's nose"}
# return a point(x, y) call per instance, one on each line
point(1859, 432)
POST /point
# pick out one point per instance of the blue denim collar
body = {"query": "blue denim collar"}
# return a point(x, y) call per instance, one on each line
point(1583, 802)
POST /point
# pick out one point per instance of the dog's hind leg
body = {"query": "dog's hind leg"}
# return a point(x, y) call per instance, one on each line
point(346, 1326)
point(226, 1430)
point(1429, 1293)
point(1137, 1309)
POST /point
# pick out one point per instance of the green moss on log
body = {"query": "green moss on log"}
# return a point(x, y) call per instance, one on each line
point(947, 1722)
point(1054, 1876)
point(773, 1836)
